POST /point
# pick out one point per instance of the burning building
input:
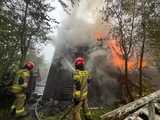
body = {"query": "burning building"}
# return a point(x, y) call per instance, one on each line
point(59, 84)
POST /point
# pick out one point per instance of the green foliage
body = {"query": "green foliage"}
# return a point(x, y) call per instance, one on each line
point(9, 45)
point(23, 24)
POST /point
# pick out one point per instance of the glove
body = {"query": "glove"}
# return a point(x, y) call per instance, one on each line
point(76, 97)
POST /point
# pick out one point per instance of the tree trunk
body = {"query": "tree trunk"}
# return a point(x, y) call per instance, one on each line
point(121, 82)
point(129, 94)
point(142, 54)
point(23, 35)
point(141, 70)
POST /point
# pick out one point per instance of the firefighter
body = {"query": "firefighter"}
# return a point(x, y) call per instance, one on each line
point(81, 78)
point(19, 88)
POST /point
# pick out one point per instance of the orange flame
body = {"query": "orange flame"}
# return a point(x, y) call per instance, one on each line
point(118, 59)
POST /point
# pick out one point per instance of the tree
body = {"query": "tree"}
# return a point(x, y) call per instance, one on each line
point(123, 13)
point(9, 45)
point(149, 32)
point(135, 22)
point(153, 30)
point(32, 22)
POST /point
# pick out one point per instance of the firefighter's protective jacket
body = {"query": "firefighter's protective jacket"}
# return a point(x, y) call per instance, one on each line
point(20, 82)
point(81, 78)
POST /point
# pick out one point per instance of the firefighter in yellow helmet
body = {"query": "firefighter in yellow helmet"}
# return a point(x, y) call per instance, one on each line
point(19, 88)
point(81, 78)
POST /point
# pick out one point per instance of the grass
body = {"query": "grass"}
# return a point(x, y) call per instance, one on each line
point(96, 113)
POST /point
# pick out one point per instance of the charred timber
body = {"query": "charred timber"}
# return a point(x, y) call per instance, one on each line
point(122, 112)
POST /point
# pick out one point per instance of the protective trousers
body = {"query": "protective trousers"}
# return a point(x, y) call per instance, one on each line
point(19, 105)
point(76, 110)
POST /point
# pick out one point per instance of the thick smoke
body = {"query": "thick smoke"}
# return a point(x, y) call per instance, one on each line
point(79, 29)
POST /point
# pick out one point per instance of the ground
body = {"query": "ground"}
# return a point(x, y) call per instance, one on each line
point(96, 113)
